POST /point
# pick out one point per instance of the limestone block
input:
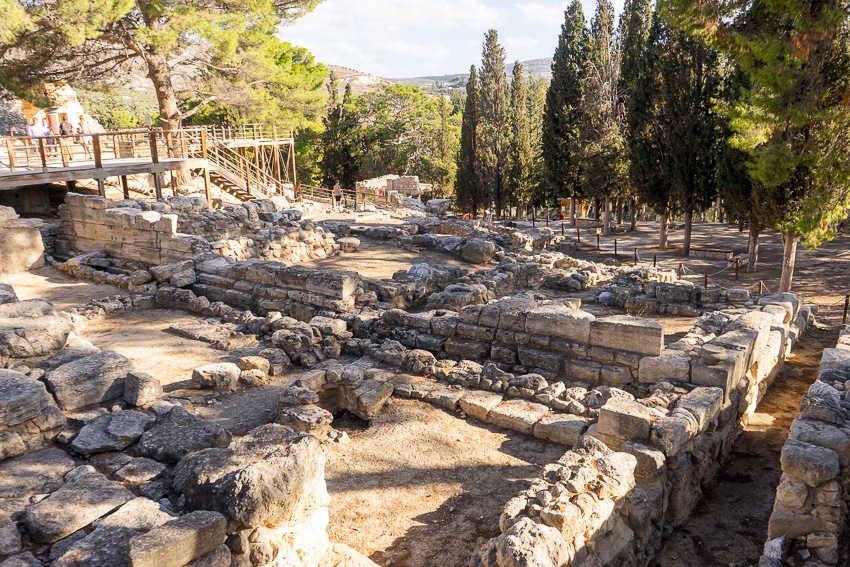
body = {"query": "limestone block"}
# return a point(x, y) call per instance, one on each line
point(526, 543)
point(517, 415)
point(624, 419)
point(219, 376)
point(561, 428)
point(179, 541)
point(633, 334)
point(651, 463)
point(835, 358)
point(74, 506)
point(21, 398)
point(10, 539)
point(581, 370)
point(141, 389)
point(333, 283)
point(671, 434)
point(179, 433)
point(559, 321)
point(90, 380)
point(809, 463)
point(11, 445)
point(671, 365)
point(726, 375)
point(328, 326)
point(534, 358)
point(447, 398)
point(459, 348)
point(111, 432)
point(478, 403)
point(703, 405)
point(21, 245)
point(792, 523)
point(281, 478)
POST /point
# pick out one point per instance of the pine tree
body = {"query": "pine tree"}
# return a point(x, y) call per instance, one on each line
point(520, 158)
point(494, 126)
point(562, 112)
point(793, 118)
point(541, 190)
point(468, 187)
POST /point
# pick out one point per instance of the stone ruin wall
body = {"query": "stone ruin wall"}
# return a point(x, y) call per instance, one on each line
point(810, 512)
point(181, 228)
point(638, 471)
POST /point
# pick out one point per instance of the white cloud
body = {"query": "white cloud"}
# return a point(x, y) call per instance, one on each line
point(403, 38)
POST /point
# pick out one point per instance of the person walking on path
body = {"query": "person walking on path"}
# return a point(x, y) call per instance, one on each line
point(47, 131)
point(66, 144)
point(85, 139)
point(337, 194)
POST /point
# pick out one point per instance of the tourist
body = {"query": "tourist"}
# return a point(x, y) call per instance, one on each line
point(66, 144)
point(85, 140)
point(33, 131)
point(337, 193)
point(47, 131)
point(299, 196)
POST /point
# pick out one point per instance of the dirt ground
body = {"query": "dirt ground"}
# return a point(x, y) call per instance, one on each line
point(420, 487)
point(729, 526)
point(60, 289)
point(381, 259)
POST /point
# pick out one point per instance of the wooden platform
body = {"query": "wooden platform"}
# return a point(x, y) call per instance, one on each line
point(85, 169)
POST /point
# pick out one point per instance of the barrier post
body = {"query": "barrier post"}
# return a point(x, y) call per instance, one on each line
point(578, 236)
point(655, 260)
point(761, 288)
point(681, 270)
point(706, 281)
point(737, 267)
point(615, 247)
point(846, 309)
point(636, 257)
point(597, 242)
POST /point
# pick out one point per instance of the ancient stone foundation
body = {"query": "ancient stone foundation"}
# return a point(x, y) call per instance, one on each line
point(810, 512)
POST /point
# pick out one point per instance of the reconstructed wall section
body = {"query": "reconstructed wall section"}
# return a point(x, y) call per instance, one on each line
point(639, 469)
point(180, 228)
point(810, 512)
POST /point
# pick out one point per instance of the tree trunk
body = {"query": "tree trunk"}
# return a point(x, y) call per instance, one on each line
point(160, 74)
point(753, 248)
point(633, 213)
point(606, 218)
point(596, 213)
point(686, 241)
point(719, 211)
point(789, 257)
point(662, 231)
point(619, 211)
point(573, 210)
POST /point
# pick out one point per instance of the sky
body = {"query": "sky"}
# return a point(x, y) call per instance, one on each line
point(414, 38)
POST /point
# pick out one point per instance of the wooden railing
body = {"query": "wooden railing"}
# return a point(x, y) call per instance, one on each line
point(256, 132)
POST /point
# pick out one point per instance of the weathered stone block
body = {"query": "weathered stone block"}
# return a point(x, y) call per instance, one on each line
point(21, 398)
point(624, 419)
point(141, 389)
point(90, 380)
point(478, 403)
point(633, 334)
point(179, 541)
point(517, 415)
point(559, 321)
point(671, 365)
point(561, 428)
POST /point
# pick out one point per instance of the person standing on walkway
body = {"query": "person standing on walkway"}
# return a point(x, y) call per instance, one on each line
point(337, 194)
point(85, 138)
point(47, 131)
point(66, 144)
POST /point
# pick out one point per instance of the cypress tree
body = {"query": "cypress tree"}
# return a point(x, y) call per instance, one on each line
point(495, 123)
point(562, 112)
point(541, 191)
point(468, 185)
point(521, 157)
point(604, 176)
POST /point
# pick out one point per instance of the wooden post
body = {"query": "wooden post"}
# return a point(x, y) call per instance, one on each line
point(125, 187)
point(41, 152)
point(183, 144)
point(681, 270)
point(846, 309)
point(706, 281)
point(562, 229)
point(636, 258)
point(532, 218)
point(761, 288)
point(207, 188)
point(292, 154)
point(737, 267)
point(62, 153)
point(578, 236)
point(204, 143)
point(615, 247)
point(157, 184)
point(154, 152)
point(654, 260)
point(597, 241)
point(115, 151)
point(10, 149)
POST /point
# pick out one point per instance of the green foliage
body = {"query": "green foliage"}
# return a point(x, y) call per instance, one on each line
point(520, 155)
point(114, 110)
point(674, 130)
point(791, 120)
point(541, 189)
point(603, 156)
point(561, 145)
point(339, 151)
point(469, 192)
point(494, 127)
point(232, 42)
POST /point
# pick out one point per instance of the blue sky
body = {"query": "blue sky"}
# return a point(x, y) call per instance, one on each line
point(412, 38)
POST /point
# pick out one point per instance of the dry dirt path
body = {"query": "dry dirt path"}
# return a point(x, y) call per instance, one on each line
point(420, 487)
point(729, 526)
